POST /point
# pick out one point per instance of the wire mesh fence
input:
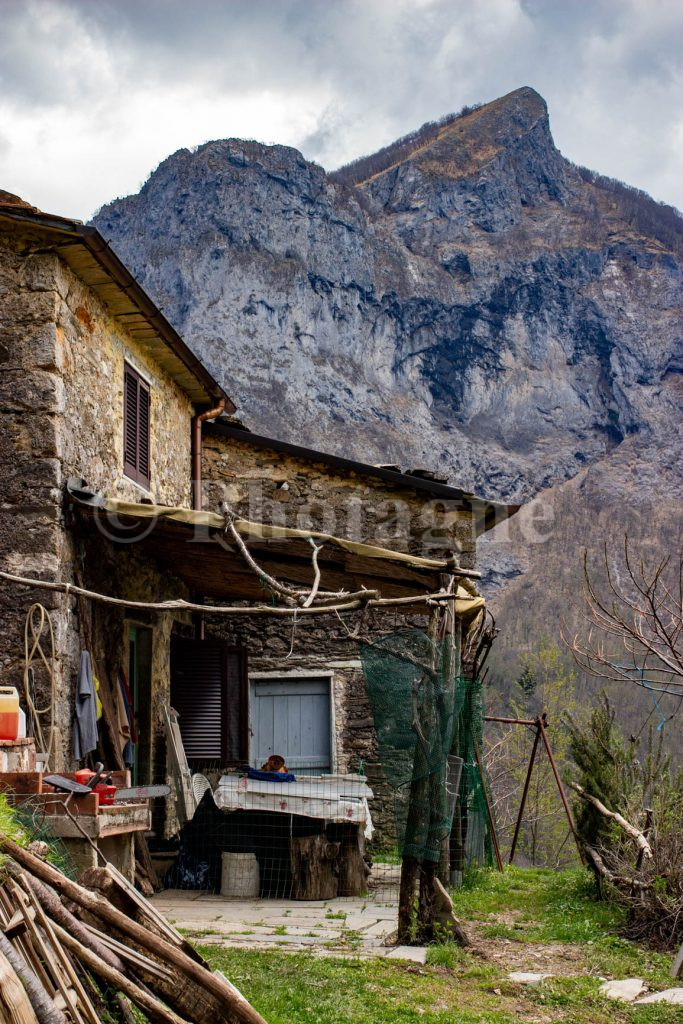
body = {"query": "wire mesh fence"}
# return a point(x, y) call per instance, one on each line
point(268, 832)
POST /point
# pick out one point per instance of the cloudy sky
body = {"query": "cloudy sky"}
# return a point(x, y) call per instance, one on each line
point(94, 93)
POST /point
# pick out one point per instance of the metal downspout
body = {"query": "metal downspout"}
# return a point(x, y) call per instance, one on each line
point(197, 421)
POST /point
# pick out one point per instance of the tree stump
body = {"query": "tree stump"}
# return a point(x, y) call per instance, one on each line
point(314, 868)
point(353, 871)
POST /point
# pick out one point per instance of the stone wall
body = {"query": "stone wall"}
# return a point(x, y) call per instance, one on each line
point(31, 401)
point(268, 486)
point(92, 349)
point(61, 413)
point(265, 485)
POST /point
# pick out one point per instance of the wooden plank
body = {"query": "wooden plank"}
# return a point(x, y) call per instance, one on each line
point(23, 783)
point(80, 806)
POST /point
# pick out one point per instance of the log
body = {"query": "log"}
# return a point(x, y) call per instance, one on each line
point(152, 1006)
point(313, 860)
point(43, 1007)
point(227, 1000)
point(615, 880)
point(636, 835)
point(353, 871)
point(15, 1006)
point(445, 923)
point(59, 954)
point(52, 956)
point(123, 1003)
point(56, 910)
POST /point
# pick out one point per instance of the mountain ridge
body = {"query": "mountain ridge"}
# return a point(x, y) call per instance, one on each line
point(482, 306)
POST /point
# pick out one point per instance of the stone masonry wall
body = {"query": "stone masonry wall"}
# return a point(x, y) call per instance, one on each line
point(93, 348)
point(61, 412)
point(31, 400)
point(265, 485)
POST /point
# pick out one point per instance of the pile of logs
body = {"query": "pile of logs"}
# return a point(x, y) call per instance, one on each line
point(91, 953)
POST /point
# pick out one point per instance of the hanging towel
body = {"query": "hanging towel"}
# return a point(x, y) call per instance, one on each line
point(84, 730)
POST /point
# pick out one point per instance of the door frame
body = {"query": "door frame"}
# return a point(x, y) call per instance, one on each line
point(293, 674)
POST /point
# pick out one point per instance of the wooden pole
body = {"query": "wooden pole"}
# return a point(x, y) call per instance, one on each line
point(542, 721)
point(489, 809)
point(525, 791)
point(153, 1007)
point(15, 1007)
point(43, 1007)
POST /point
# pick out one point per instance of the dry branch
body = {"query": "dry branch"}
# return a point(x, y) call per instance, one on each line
point(635, 628)
point(616, 880)
point(635, 834)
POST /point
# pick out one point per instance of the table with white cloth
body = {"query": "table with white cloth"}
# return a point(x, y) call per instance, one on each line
point(326, 856)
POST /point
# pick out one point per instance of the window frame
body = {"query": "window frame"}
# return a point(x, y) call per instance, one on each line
point(137, 396)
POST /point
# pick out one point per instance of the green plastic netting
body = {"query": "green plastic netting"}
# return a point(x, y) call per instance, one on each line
point(428, 719)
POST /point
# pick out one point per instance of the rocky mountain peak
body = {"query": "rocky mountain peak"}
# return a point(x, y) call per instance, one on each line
point(462, 300)
point(481, 167)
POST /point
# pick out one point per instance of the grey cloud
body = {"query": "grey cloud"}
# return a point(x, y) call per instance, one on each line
point(371, 69)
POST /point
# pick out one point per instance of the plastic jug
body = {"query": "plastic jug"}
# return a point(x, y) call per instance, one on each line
point(9, 713)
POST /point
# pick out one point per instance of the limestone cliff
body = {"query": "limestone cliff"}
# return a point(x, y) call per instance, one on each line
point(468, 301)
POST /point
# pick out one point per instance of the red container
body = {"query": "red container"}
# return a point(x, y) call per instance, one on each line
point(9, 713)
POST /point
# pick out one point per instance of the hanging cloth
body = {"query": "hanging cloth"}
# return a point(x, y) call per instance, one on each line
point(126, 717)
point(84, 727)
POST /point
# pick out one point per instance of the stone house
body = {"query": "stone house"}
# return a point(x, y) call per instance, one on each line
point(96, 385)
point(117, 456)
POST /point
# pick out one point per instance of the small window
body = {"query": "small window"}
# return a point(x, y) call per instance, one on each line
point(136, 398)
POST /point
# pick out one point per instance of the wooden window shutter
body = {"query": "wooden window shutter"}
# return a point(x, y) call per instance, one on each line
point(209, 692)
point(136, 417)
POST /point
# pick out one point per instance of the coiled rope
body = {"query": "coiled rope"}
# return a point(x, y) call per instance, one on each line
point(37, 618)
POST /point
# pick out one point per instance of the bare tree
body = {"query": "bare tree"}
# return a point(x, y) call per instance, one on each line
point(634, 618)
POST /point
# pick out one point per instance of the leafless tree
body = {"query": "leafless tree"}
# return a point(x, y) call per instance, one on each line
point(633, 616)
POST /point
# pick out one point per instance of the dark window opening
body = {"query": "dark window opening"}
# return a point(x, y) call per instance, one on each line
point(136, 445)
point(209, 692)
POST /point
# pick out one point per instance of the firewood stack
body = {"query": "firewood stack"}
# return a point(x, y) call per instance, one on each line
point(88, 953)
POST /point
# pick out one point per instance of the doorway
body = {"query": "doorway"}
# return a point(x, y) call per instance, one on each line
point(140, 682)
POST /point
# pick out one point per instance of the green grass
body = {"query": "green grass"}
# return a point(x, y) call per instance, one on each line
point(9, 826)
point(297, 989)
point(459, 986)
point(18, 824)
point(557, 907)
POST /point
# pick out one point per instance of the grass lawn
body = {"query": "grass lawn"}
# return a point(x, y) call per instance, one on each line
point(517, 920)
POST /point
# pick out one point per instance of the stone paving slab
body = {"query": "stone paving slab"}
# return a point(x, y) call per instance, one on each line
point(625, 989)
point(354, 927)
point(672, 996)
point(418, 954)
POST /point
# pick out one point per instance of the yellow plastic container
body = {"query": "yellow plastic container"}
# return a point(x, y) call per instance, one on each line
point(9, 713)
